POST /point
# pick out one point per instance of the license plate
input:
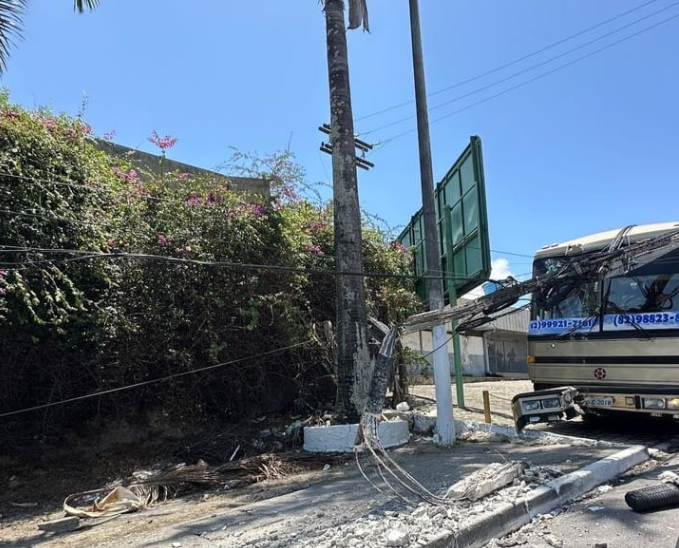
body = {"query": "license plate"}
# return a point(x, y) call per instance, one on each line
point(599, 401)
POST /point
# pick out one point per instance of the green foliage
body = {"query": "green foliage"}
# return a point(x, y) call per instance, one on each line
point(72, 325)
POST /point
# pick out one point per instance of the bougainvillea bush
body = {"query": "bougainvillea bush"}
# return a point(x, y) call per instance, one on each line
point(110, 277)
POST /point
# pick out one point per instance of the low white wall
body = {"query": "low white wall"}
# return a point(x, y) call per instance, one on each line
point(340, 438)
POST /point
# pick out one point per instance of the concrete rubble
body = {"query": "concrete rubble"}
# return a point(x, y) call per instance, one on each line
point(415, 527)
point(538, 527)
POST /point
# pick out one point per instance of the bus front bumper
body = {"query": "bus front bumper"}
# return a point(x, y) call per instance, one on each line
point(552, 404)
point(567, 402)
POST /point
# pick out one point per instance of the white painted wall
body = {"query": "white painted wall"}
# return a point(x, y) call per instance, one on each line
point(472, 349)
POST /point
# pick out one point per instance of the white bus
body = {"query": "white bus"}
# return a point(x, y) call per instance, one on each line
point(606, 346)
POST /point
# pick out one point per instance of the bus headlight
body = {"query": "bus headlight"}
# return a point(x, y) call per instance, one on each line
point(530, 405)
point(552, 403)
point(673, 403)
point(654, 403)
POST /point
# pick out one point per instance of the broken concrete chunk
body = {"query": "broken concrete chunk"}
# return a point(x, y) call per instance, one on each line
point(398, 537)
point(487, 480)
point(669, 477)
point(423, 424)
point(480, 436)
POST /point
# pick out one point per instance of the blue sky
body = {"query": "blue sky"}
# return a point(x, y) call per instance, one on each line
point(588, 148)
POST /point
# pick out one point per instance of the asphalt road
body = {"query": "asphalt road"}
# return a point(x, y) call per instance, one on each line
point(603, 519)
point(643, 431)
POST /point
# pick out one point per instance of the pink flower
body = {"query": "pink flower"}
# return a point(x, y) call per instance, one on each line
point(258, 210)
point(163, 143)
point(193, 200)
point(398, 246)
point(49, 123)
point(3, 273)
point(112, 242)
point(162, 240)
point(131, 175)
point(314, 249)
point(211, 199)
point(316, 227)
point(109, 135)
point(234, 212)
point(183, 175)
point(85, 128)
point(289, 192)
point(11, 114)
point(3, 291)
point(140, 190)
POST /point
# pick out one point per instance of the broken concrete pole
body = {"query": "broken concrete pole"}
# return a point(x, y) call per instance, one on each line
point(63, 525)
point(485, 481)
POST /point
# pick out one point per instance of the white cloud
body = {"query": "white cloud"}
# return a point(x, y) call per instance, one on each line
point(500, 269)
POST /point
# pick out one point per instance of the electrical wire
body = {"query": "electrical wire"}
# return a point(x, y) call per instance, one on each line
point(88, 255)
point(381, 144)
point(151, 381)
point(524, 71)
point(511, 63)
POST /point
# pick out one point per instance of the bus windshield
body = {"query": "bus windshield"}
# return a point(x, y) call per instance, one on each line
point(652, 288)
point(648, 296)
point(582, 302)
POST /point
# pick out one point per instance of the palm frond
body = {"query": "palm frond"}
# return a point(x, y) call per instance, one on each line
point(81, 5)
point(358, 14)
point(11, 12)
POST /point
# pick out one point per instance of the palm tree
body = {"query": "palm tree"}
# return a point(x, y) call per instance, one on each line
point(353, 357)
point(11, 18)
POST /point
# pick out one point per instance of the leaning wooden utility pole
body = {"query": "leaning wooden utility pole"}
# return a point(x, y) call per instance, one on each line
point(445, 425)
point(353, 357)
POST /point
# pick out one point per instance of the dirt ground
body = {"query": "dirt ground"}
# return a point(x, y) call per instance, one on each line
point(33, 494)
point(35, 480)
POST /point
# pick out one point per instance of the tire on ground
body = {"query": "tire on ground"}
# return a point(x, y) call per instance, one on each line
point(653, 497)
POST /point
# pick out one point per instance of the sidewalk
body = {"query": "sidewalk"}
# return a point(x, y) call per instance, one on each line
point(501, 393)
point(296, 518)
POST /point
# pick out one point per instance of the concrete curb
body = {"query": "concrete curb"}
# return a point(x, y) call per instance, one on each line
point(509, 517)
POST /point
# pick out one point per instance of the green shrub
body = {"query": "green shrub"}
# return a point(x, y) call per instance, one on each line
point(72, 324)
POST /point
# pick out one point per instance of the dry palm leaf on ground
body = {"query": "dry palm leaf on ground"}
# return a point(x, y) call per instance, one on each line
point(159, 487)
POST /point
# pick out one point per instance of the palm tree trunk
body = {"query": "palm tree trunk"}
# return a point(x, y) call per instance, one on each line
point(354, 366)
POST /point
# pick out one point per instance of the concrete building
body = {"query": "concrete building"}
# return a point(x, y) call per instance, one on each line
point(152, 163)
point(497, 348)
